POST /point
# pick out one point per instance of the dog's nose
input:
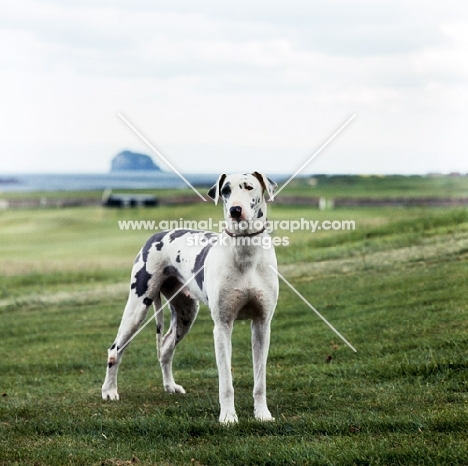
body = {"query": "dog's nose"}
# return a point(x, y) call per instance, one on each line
point(236, 212)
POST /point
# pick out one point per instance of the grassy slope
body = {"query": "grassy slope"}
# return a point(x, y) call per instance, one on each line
point(396, 288)
point(381, 186)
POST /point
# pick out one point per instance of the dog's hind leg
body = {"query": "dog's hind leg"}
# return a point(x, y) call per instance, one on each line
point(159, 317)
point(133, 316)
point(184, 310)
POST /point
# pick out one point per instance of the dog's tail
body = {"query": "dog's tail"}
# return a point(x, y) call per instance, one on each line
point(159, 314)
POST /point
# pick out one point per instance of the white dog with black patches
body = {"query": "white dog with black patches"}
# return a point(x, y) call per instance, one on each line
point(234, 279)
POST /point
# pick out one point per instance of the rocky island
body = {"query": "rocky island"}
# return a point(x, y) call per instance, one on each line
point(132, 161)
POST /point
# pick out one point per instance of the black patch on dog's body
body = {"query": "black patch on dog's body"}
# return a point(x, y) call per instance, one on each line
point(147, 301)
point(159, 246)
point(142, 278)
point(156, 238)
point(178, 233)
point(199, 261)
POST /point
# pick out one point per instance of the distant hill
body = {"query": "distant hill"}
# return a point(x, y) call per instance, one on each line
point(131, 161)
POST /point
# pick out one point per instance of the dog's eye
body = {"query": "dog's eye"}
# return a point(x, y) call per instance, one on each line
point(226, 191)
point(248, 188)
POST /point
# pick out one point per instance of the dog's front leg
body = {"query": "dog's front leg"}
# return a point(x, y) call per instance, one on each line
point(260, 346)
point(223, 349)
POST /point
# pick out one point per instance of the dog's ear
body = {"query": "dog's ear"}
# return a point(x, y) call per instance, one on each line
point(215, 190)
point(267, 184)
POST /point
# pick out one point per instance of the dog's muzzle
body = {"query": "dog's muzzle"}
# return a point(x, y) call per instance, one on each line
point(235, 212)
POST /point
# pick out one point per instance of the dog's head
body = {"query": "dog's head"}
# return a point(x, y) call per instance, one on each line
point(243, 196)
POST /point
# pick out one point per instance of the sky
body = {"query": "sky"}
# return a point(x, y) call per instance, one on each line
point(220, 86)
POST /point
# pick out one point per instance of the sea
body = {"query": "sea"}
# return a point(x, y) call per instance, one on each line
point(112, 180)
point(88, 182)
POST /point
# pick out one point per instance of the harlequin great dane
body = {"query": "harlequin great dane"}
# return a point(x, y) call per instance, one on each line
point(234, 279)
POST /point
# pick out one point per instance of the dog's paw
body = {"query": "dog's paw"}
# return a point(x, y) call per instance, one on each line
point(174, 388)
point(264, 415)
point(110, 394)
point(228, 418)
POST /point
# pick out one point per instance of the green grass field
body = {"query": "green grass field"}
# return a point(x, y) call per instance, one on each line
point(396, 287)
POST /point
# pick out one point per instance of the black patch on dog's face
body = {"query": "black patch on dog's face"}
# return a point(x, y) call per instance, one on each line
point(141, 284)
point(147, 301)
point(177, 259)
point(112, 347)
point(226, 190)
point(260, 213)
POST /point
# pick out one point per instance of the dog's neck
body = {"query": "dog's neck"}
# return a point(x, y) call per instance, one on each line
point(247, 244)
point(245, 251)
point(243, 235)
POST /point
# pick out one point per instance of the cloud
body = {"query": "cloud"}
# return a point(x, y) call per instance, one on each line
point(247, 77)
